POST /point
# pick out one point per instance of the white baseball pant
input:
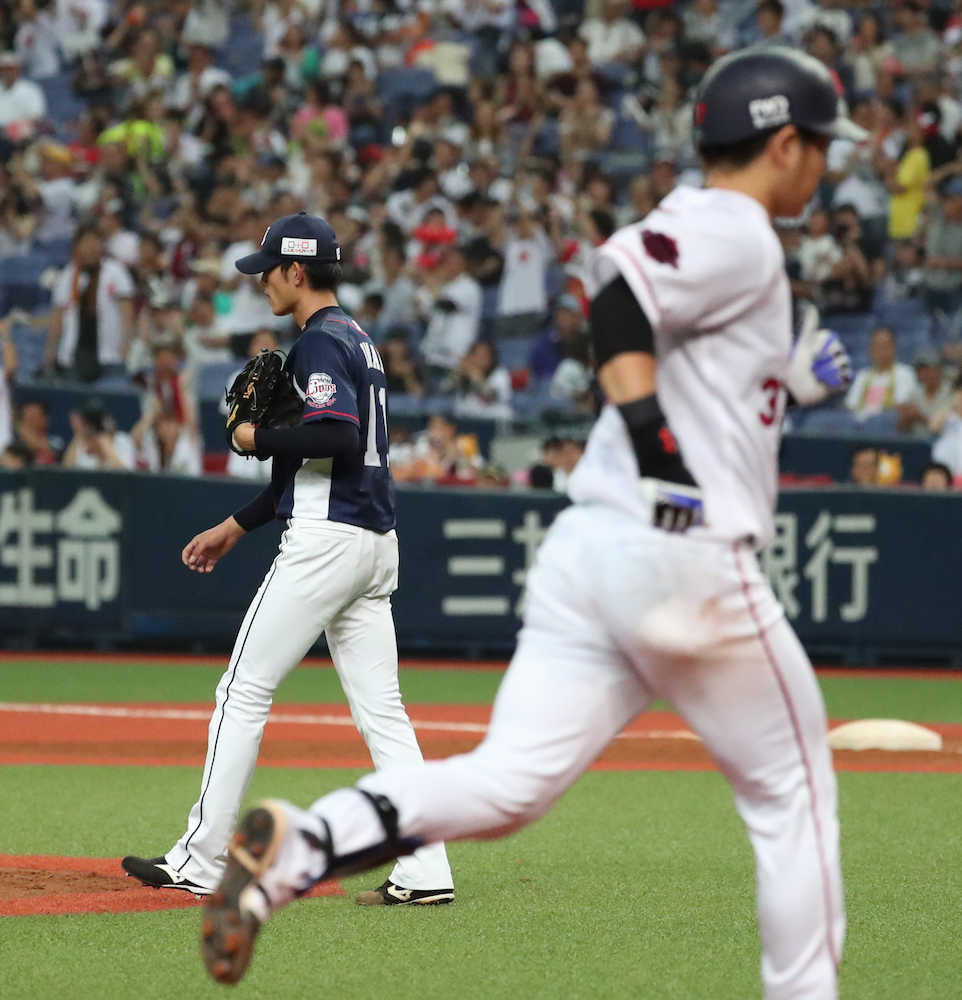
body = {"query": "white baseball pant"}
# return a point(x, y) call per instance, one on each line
point(327, 577)
point(618, 615)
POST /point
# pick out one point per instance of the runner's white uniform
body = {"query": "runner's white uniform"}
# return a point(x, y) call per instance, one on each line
point(620, 613)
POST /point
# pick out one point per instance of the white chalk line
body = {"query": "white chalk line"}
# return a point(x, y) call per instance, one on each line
point(287, 718)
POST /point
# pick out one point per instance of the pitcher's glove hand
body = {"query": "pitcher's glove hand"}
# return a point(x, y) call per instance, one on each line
point(263, 394)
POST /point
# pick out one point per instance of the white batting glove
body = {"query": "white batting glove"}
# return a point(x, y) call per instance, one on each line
point(819, 365)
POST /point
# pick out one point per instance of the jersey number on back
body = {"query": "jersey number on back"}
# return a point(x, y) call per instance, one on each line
point(376, 416)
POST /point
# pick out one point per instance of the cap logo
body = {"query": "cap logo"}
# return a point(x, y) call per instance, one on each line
point(767, 112)
point(266, 232)
point(297, 246)
point(337, 253)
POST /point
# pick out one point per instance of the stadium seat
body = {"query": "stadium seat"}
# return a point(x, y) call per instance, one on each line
point(20, 280)
point(513, 351)
point(56, 253)
point(212, 378)
point(627, 134)
point(830, 420)
point(30, 346)
point(63, 105)
point(405, 86)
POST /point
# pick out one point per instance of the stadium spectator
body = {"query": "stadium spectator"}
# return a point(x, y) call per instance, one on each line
point(885, 385)
point(906, 178)
point(818, 254)
point(36, 40)
point(399, 307)
point(168, 445)
point(481, 385)
point(193, 87)
point(79, 24)
point(527, 253)
point(905, 276)
point(22, 103)
point(948, 425)
point(870, 52)
point(401, 368)
point(552, 344)
point(585, 123)
point(451, 300)
point(53, 193)
point(942, 281)
point(612, 37)
point(915, 45)
point(706, 22)
point(864, 470)
point(850, 286)
point(32, 431)
point(561, 455)
point(438, 454)
point(933, 393)
point(92, 321)
point(936, 477)
point(96, 443)
point(771, 16)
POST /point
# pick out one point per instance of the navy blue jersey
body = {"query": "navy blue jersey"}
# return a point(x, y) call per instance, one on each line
point(338, 373)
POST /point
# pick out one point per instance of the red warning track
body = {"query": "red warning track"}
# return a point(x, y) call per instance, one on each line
point(38, 884)
point(146, 735)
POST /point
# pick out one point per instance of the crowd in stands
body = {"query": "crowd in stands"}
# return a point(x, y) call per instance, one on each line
point(470, 155)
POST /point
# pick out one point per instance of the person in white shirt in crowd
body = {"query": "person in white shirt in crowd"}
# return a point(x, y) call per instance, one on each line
point(482, 385)
point(93, 316)
point(932, 396)
point(832, 14)
point(55, 188)
point(207, 23)
point(78, 25)
point(771, 16)
point(612, 37)
point(819, 252)
point(948, 425)
point(36, 41)
point(705, 23)
point(451, 300)
point(96, 443)
point(399, 292)
point(243, 466)
point(122, 244)
point(169, 446)
point(409, 206)
point(528, 253)
point(22, 103)
point(454, 178)
point(249, 306)
point(204, 342)
point(191, 88)
point(851, 172)
point(884, 386)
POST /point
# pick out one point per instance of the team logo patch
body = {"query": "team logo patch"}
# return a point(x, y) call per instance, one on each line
point(321, 389)
point(767, 112)
point(661, 247)
point(297, 246)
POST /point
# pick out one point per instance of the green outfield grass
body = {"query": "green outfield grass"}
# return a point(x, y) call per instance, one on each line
point(923, 699)
point(637, 884)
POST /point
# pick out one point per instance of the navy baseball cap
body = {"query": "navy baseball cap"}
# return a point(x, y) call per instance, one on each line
point(292, 237)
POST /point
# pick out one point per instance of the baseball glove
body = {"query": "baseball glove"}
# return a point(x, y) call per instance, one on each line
point(262, 394)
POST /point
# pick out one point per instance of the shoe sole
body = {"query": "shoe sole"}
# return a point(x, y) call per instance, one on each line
point(227, 932)
point(374, 898)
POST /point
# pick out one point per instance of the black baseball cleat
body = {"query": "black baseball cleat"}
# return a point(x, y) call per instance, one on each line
point(157, 874)
point(390, 894)
point(234, 912)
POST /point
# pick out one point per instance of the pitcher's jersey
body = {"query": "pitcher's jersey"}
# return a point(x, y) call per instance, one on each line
point(337, 371)
point(708, 270)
